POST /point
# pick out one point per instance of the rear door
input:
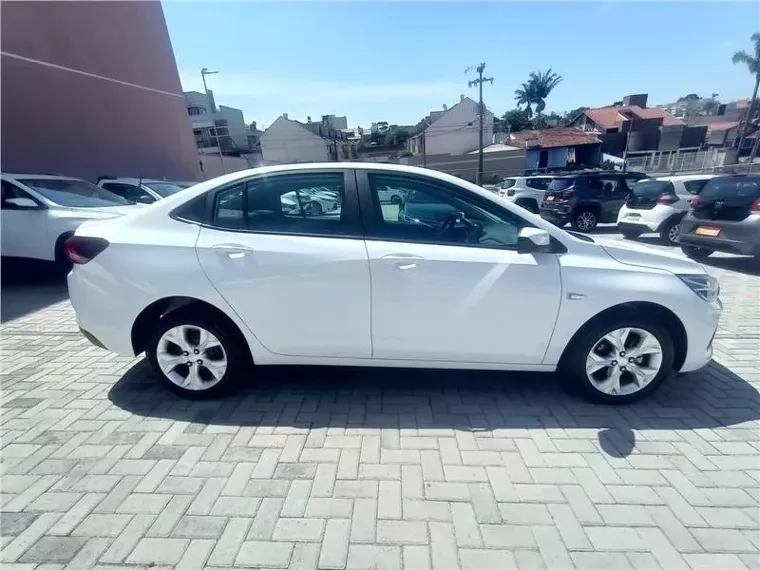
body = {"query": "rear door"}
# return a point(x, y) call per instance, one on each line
point(613, 195)
point(298, 279)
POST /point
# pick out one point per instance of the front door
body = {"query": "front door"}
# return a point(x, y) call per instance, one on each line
point(615, 192)
point(291, 262)
point(24, 229)
point(447, 283)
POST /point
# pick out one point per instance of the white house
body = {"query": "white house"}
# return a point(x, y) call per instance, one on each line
point(287, 141)
point(453, 130)
point(213, 124)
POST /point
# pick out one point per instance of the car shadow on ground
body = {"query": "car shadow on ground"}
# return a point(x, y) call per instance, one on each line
point(745, 265)
point(27, 286)
point(481, 401)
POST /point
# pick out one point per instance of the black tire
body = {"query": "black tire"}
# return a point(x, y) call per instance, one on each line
point(669, 231)
point(631, 234)
point(396, 199)
point(314, 209)
point(696, 253)
point(584, 220)
point(529, 205)
point(238, 357)
point(574, 360)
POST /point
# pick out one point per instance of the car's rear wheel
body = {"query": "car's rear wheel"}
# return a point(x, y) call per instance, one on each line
point(620, 360)
point(195, 356)
point(697, 253)
point(584, 221)
point(314, 209)
point(669, 231)
point(631, 234)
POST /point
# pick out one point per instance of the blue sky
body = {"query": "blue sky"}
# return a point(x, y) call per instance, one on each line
point(397, 61)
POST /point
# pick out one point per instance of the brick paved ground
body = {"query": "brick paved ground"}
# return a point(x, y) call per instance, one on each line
point(373, 469)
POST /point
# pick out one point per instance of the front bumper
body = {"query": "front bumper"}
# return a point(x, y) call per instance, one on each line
point(700, 329)
point(741, 238)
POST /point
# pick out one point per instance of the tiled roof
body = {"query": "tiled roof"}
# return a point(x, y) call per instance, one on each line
point(612, 117)
point(550, 138)
point(721, 126)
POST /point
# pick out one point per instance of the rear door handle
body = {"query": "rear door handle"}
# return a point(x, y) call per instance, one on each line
point(403, 260)
point(233, 250)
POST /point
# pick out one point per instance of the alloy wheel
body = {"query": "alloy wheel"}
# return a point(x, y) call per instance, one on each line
point(586, 221)
point(673, 233)
point(191, 357)
point(624, 361)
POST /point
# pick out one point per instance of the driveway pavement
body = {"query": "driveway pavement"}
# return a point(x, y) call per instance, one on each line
point(364, 469)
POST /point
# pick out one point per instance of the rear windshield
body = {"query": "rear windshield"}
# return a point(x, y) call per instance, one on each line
point(559, 184)
point(719, 188)
point(652, 188)
point(163, 189)
point(74, 193)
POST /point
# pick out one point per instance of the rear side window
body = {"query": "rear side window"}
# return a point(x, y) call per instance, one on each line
point(559, 184)
point(289, 204)
point(538, 183)
point(743, 188)
point(129, 192)
point(695, 186)
point(508, 183)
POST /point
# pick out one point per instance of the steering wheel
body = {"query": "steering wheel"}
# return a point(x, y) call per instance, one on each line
point(472, 228)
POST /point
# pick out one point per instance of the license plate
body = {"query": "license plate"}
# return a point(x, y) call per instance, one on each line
point(712, 232)
point(634, 216)
point(550, 198)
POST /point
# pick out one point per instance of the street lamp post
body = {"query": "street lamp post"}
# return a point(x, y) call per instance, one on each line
point(204, 72)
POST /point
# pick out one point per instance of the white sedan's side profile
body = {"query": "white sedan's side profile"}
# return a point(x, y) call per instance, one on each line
point(39, 212)
point(205, 281)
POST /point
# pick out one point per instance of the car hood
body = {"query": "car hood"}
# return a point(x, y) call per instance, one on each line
point(100, 213)
point(642, 256)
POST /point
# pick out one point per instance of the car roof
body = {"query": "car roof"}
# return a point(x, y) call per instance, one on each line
point(134, 181)
point(684, 177)
point(16, 176)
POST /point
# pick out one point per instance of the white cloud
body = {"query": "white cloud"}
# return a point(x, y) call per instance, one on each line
point(289, 91)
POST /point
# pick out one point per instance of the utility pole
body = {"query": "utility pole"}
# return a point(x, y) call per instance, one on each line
point(479, 82)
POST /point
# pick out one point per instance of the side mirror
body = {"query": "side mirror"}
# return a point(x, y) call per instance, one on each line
point(22, 203)
point(145, 199)
point(533, 240)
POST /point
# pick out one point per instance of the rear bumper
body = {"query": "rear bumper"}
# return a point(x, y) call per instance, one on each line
point(741, 238)
point(555, 213)
point(645, 220)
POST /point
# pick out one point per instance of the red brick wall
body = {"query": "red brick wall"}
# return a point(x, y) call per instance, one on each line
point(114, 106)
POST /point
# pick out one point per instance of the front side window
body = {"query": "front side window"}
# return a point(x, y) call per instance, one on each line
point(433, 212)
point(291, 203)
point(611, 186)
point(74, 193)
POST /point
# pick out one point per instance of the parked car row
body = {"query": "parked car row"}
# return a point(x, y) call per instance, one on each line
point(702, 213)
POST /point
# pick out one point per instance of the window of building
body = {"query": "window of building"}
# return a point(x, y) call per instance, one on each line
point(309, 203)
point(194, 110)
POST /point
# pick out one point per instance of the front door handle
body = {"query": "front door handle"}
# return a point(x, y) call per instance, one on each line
point(233, 250)
point(403, 260)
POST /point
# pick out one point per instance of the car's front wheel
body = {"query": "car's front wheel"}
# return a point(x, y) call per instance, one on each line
point(194, 355)
point(621, 360)
point(697, 253)
point(584, 221)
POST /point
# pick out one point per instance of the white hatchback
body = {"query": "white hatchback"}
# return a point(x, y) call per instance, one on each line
point(205, 281)
point(39, 212)
point(659, 205)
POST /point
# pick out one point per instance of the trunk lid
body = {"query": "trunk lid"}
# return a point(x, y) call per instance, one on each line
point(645, 194)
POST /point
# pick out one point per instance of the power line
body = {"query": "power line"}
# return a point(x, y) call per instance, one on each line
point(481, 111)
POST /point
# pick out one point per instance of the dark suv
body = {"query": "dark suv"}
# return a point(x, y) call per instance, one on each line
point(587, 199)
point(725, 216)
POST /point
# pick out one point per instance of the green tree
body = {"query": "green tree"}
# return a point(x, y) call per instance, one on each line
point(515, 120)
point(689, 97)
point(753, 64)
point(539, 86)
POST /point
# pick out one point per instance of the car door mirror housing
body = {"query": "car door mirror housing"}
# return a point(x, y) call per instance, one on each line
point(533, 240)
point(22, 203)
point(145, 199)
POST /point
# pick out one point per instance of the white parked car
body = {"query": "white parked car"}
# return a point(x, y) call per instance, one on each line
point(141, 190)
point(659, 205)
point(39, 212)
point(525, 191)
point(207, 292)
point(390, 195)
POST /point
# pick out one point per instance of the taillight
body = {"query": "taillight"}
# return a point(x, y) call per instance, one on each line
point(81, 249)
point(755, 207)
point(694, 203)
point(567, 194)
point(667, 199)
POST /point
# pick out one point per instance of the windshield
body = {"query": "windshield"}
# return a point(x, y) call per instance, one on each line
point(718, 188)
point(163, 189)
point(559, 184)
point(74, 193)
point(652, 188)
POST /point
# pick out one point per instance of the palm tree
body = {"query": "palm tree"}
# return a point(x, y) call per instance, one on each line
point(534, 93)
point(753, 64)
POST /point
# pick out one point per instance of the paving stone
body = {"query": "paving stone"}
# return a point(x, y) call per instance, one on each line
point(54, 549)
point(13, 524)
point(298, 530)
point(102, 525)
point(154, 551)
point(193, 526)
point(264, 554)
point(402, 532)
point(371, 557)
point(334, 550)
point(473, 559)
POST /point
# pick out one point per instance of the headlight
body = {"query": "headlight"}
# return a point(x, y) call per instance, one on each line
point(705, 286)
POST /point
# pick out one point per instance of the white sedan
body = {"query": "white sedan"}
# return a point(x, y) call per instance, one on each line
point(39, 212)
point(205, 281)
